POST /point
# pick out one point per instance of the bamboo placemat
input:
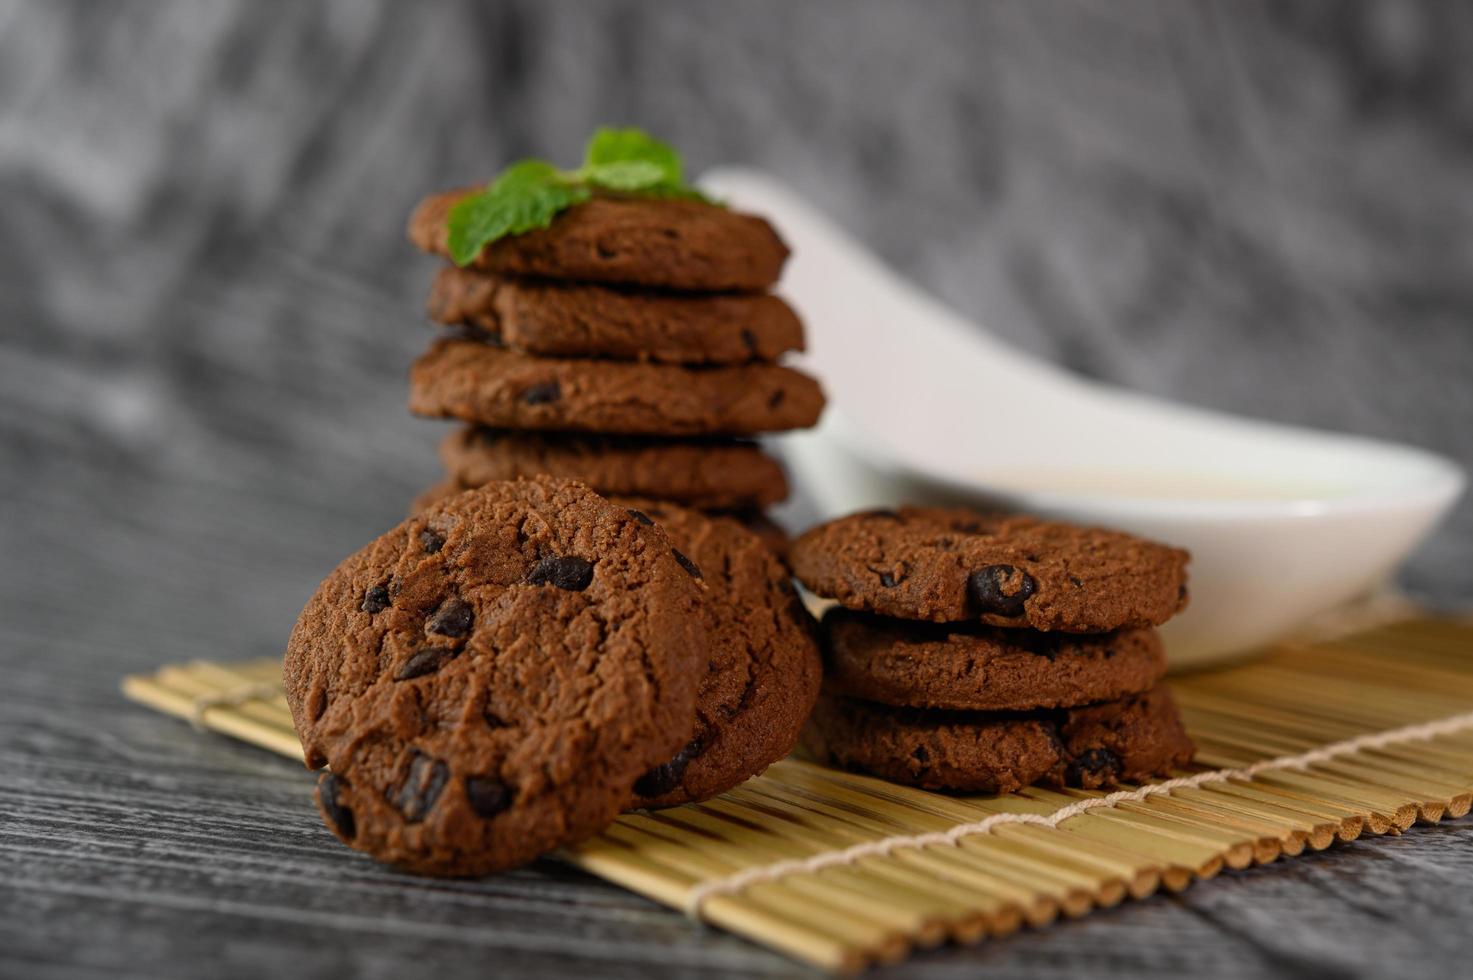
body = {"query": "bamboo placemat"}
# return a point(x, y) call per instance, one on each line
point(1313, 743)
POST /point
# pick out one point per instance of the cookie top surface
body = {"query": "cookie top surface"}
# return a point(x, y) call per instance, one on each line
point(476, 382)
point(488, 679)
point(953, 564)
point(706, 474)
point(580, 320)
point(663, 242)
point(967, 666)
point(985, 752)
point(764, 668)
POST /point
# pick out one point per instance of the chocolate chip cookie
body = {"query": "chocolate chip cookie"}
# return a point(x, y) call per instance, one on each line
point(665, 242)
point(475, 382)
point(579, 320)
point(488, 679)
point(764, 668)
point(968, 666)
point(952, 564)
point(986, 752)
point(705, 474)
point(756, 522)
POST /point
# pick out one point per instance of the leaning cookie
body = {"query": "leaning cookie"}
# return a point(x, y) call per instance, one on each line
point(476, 382)
point(764, 669)
point(488, 679)
point(970, 667)
point(708, 474)
point(986, 752)
point(583, 320)
point(664, 242)
point(953, 564)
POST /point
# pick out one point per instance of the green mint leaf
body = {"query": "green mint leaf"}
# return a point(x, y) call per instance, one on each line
point(608, 145)
point(530, 193)
point(625, 175)
point(526, 195)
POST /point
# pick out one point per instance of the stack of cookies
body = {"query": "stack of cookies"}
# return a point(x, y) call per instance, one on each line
point(984, 652)
point(510, 668)
point(631, 345)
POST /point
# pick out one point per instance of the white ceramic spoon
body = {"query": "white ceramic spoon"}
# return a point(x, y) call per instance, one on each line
point(1283, 523)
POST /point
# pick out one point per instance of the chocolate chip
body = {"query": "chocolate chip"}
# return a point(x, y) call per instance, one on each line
point(453, 618)
point(891, 577)
point(667, 775)
point(987, 588)
point(421, 787)
point(750, 339)
point(967, 527)
point(1078, 584)
point(566, 572)
point(375, 600)
point(542, 393)
point(1181, 592)
point(329, 793)
point(776, 398)
point(691, 567)
point(487, 796)
point(426, 661)
point(641, 516)
point(1051, 729)
point(884, 513)
point(1102, 765)
point(921, 755)
point(431, 541)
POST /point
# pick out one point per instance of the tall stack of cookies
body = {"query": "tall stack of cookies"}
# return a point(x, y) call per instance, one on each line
point(984, 652)
point(631, 345)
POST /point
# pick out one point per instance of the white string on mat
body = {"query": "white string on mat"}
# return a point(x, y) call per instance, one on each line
point(740, 880)
point(232, 697)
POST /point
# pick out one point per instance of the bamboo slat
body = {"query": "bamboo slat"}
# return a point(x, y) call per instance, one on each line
point(1310, 744)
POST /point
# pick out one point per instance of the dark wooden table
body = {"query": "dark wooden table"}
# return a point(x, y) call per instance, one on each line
point(206, 312)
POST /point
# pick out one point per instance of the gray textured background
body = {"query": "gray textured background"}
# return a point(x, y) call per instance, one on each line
point(208, 310)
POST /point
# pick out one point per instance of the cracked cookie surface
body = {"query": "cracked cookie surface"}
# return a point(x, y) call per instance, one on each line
point(663, 242)
point(967, 666)
point(475, 382)
point(708, 474)
point(989, 752)
point(584, 320)
point(764, 670)
point(953, 564)
point(488, 679)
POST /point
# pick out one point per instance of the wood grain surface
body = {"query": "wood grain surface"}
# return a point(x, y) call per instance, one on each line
point(208, 311)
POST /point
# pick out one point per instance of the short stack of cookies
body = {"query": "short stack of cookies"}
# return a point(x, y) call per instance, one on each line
point(985, 652)
point(631, 345)
point(510, 668)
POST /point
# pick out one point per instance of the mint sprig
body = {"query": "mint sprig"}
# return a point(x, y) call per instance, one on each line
point(530, 193)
